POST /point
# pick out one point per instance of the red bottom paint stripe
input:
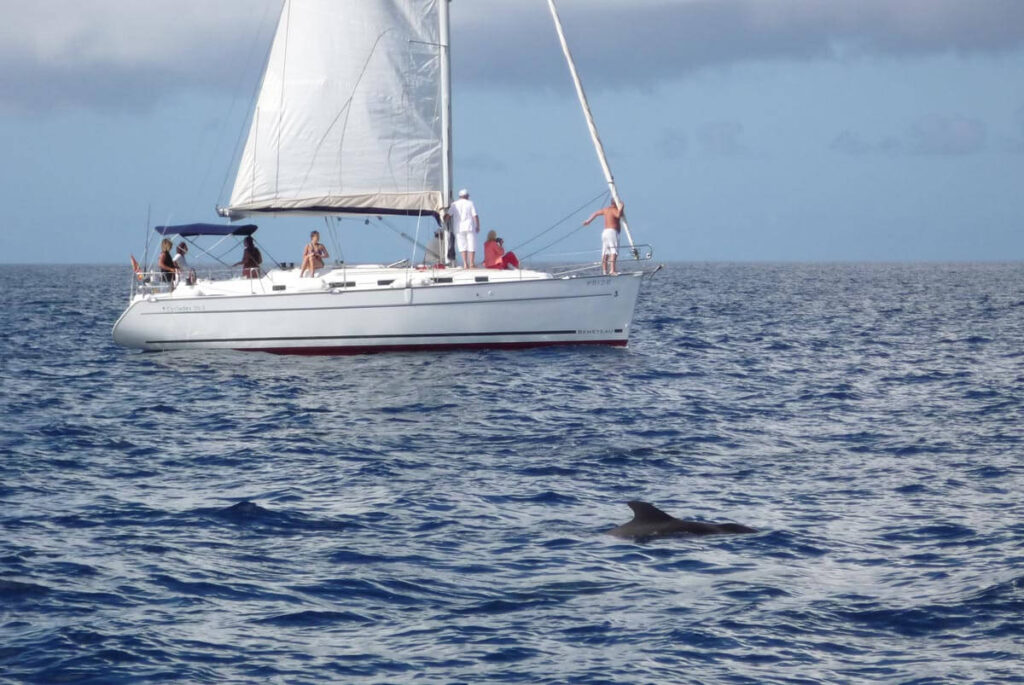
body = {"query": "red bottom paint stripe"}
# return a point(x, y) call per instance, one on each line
point(375, 349)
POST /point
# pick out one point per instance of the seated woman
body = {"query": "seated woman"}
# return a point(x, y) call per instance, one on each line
point(495, 256)
point(251, 259)
point(314, 255)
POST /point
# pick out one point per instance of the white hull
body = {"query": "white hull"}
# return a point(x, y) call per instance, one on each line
point(376, 309)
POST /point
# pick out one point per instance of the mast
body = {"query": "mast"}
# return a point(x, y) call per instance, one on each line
point(590, 119)
point(446, 124)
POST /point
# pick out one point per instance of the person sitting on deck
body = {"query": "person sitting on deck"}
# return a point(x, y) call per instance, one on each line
point(495, 256)
point(251, 259)
point(314, 254)
point(432, 253)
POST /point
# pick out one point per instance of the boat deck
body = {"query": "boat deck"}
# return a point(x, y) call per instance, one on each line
point(329, 279)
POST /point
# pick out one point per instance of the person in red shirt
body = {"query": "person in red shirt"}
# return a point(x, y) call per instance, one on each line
point(495, 256)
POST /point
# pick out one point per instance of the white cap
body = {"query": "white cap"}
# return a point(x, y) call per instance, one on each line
point(463, 193)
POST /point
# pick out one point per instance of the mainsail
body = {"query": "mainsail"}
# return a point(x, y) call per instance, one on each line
point(349, 116)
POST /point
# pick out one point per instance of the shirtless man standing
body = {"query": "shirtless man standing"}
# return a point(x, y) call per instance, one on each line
point(609, 237)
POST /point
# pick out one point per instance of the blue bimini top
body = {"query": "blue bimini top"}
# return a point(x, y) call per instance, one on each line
point(188, 230)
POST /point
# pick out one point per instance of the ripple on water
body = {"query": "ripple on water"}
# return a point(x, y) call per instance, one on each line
point(442, 517)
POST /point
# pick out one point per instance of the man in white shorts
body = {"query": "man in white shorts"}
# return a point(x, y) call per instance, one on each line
point(466, 224)
point(185, 274)
point(610, 236)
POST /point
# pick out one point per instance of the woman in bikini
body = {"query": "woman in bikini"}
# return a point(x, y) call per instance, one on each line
point(252, 259)
point(314, 254)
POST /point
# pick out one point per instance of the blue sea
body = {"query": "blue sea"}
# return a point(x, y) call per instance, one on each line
point(442, 517)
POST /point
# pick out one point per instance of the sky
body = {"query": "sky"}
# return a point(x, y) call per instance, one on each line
point(737, 130)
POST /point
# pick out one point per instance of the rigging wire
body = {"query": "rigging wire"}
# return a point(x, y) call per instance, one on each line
point(243, 130)
point(416, 240)
point(231, 108)
point(333, 226)
point(426, 170)
point(344, 111)
point(145, 252)
point(403, 234)
point(603, 193)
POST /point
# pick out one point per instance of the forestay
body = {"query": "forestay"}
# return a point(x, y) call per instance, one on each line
point(348, 118)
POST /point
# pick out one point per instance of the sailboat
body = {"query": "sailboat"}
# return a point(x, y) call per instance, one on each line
point(354, 118)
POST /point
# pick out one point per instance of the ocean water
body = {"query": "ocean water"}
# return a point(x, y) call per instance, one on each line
point(441, 517)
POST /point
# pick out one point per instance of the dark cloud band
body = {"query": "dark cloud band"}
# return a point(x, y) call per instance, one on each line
point(505, 43)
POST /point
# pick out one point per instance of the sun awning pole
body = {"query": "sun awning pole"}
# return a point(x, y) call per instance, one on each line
point(590, 120)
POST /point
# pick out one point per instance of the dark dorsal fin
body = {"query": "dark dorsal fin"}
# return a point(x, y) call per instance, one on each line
point(647, 513)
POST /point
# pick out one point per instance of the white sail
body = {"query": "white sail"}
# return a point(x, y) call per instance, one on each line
point(349, 116)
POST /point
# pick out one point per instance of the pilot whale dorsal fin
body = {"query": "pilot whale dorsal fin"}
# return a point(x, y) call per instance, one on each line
point(650, 522)
point(648, 513)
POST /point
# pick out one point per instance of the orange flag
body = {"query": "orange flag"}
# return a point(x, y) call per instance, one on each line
point(135, 268)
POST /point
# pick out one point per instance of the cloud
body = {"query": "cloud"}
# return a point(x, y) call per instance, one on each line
point(722, 139)
point(1016, 143)
point(672, 144)
point(117, 53)
point(944, 135)
point(481, 163)
point(643, 42)
point(851, 143)
point(125, 53)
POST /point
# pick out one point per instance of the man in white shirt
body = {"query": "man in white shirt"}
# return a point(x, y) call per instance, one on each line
point(466, 224)
point(184, 273)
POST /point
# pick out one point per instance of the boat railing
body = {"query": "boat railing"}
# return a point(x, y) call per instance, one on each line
point(150, 283)
point(563, 265)
point(153, 282)
point(636, 258)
